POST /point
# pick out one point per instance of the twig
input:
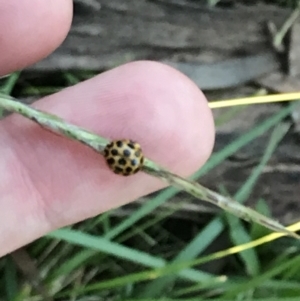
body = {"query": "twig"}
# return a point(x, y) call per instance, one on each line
point(98, 144)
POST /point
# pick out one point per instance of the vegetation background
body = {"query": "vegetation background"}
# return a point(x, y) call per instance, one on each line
point(151, 254)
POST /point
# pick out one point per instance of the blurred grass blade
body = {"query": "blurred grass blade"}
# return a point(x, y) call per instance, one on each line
point(229, 115)
point(178, 266)
point(115, 249)
point(192, 250)
point(70, 265)
point(10, 83)
point(276, 137)
point(10, 278)
point(238, 233)
point(256, 229)
point(256, 281)
point(7, 87)
point(294, 96)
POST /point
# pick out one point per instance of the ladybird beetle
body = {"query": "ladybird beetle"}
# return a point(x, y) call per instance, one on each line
point(124, 157)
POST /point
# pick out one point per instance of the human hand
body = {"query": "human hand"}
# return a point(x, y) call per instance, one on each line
point(47, 181)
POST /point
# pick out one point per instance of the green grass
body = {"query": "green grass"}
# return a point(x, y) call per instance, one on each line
point(138, 257)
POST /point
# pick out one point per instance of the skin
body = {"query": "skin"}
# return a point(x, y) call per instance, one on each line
point(47, 181)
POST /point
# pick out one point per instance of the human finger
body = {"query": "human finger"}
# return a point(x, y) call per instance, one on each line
point(47, 181)
point(30, 30)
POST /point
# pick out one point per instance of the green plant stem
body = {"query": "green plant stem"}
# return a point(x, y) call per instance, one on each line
point(97, 143)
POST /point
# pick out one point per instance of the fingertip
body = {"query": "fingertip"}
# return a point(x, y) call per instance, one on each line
point(30, 30)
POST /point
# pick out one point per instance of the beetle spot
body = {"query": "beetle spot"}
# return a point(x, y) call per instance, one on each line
point(119, 143)
point(129, 169)
point(122, 161)
point(126, 152)
point(134, 162)
point(114, 152)
point(111, 161)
